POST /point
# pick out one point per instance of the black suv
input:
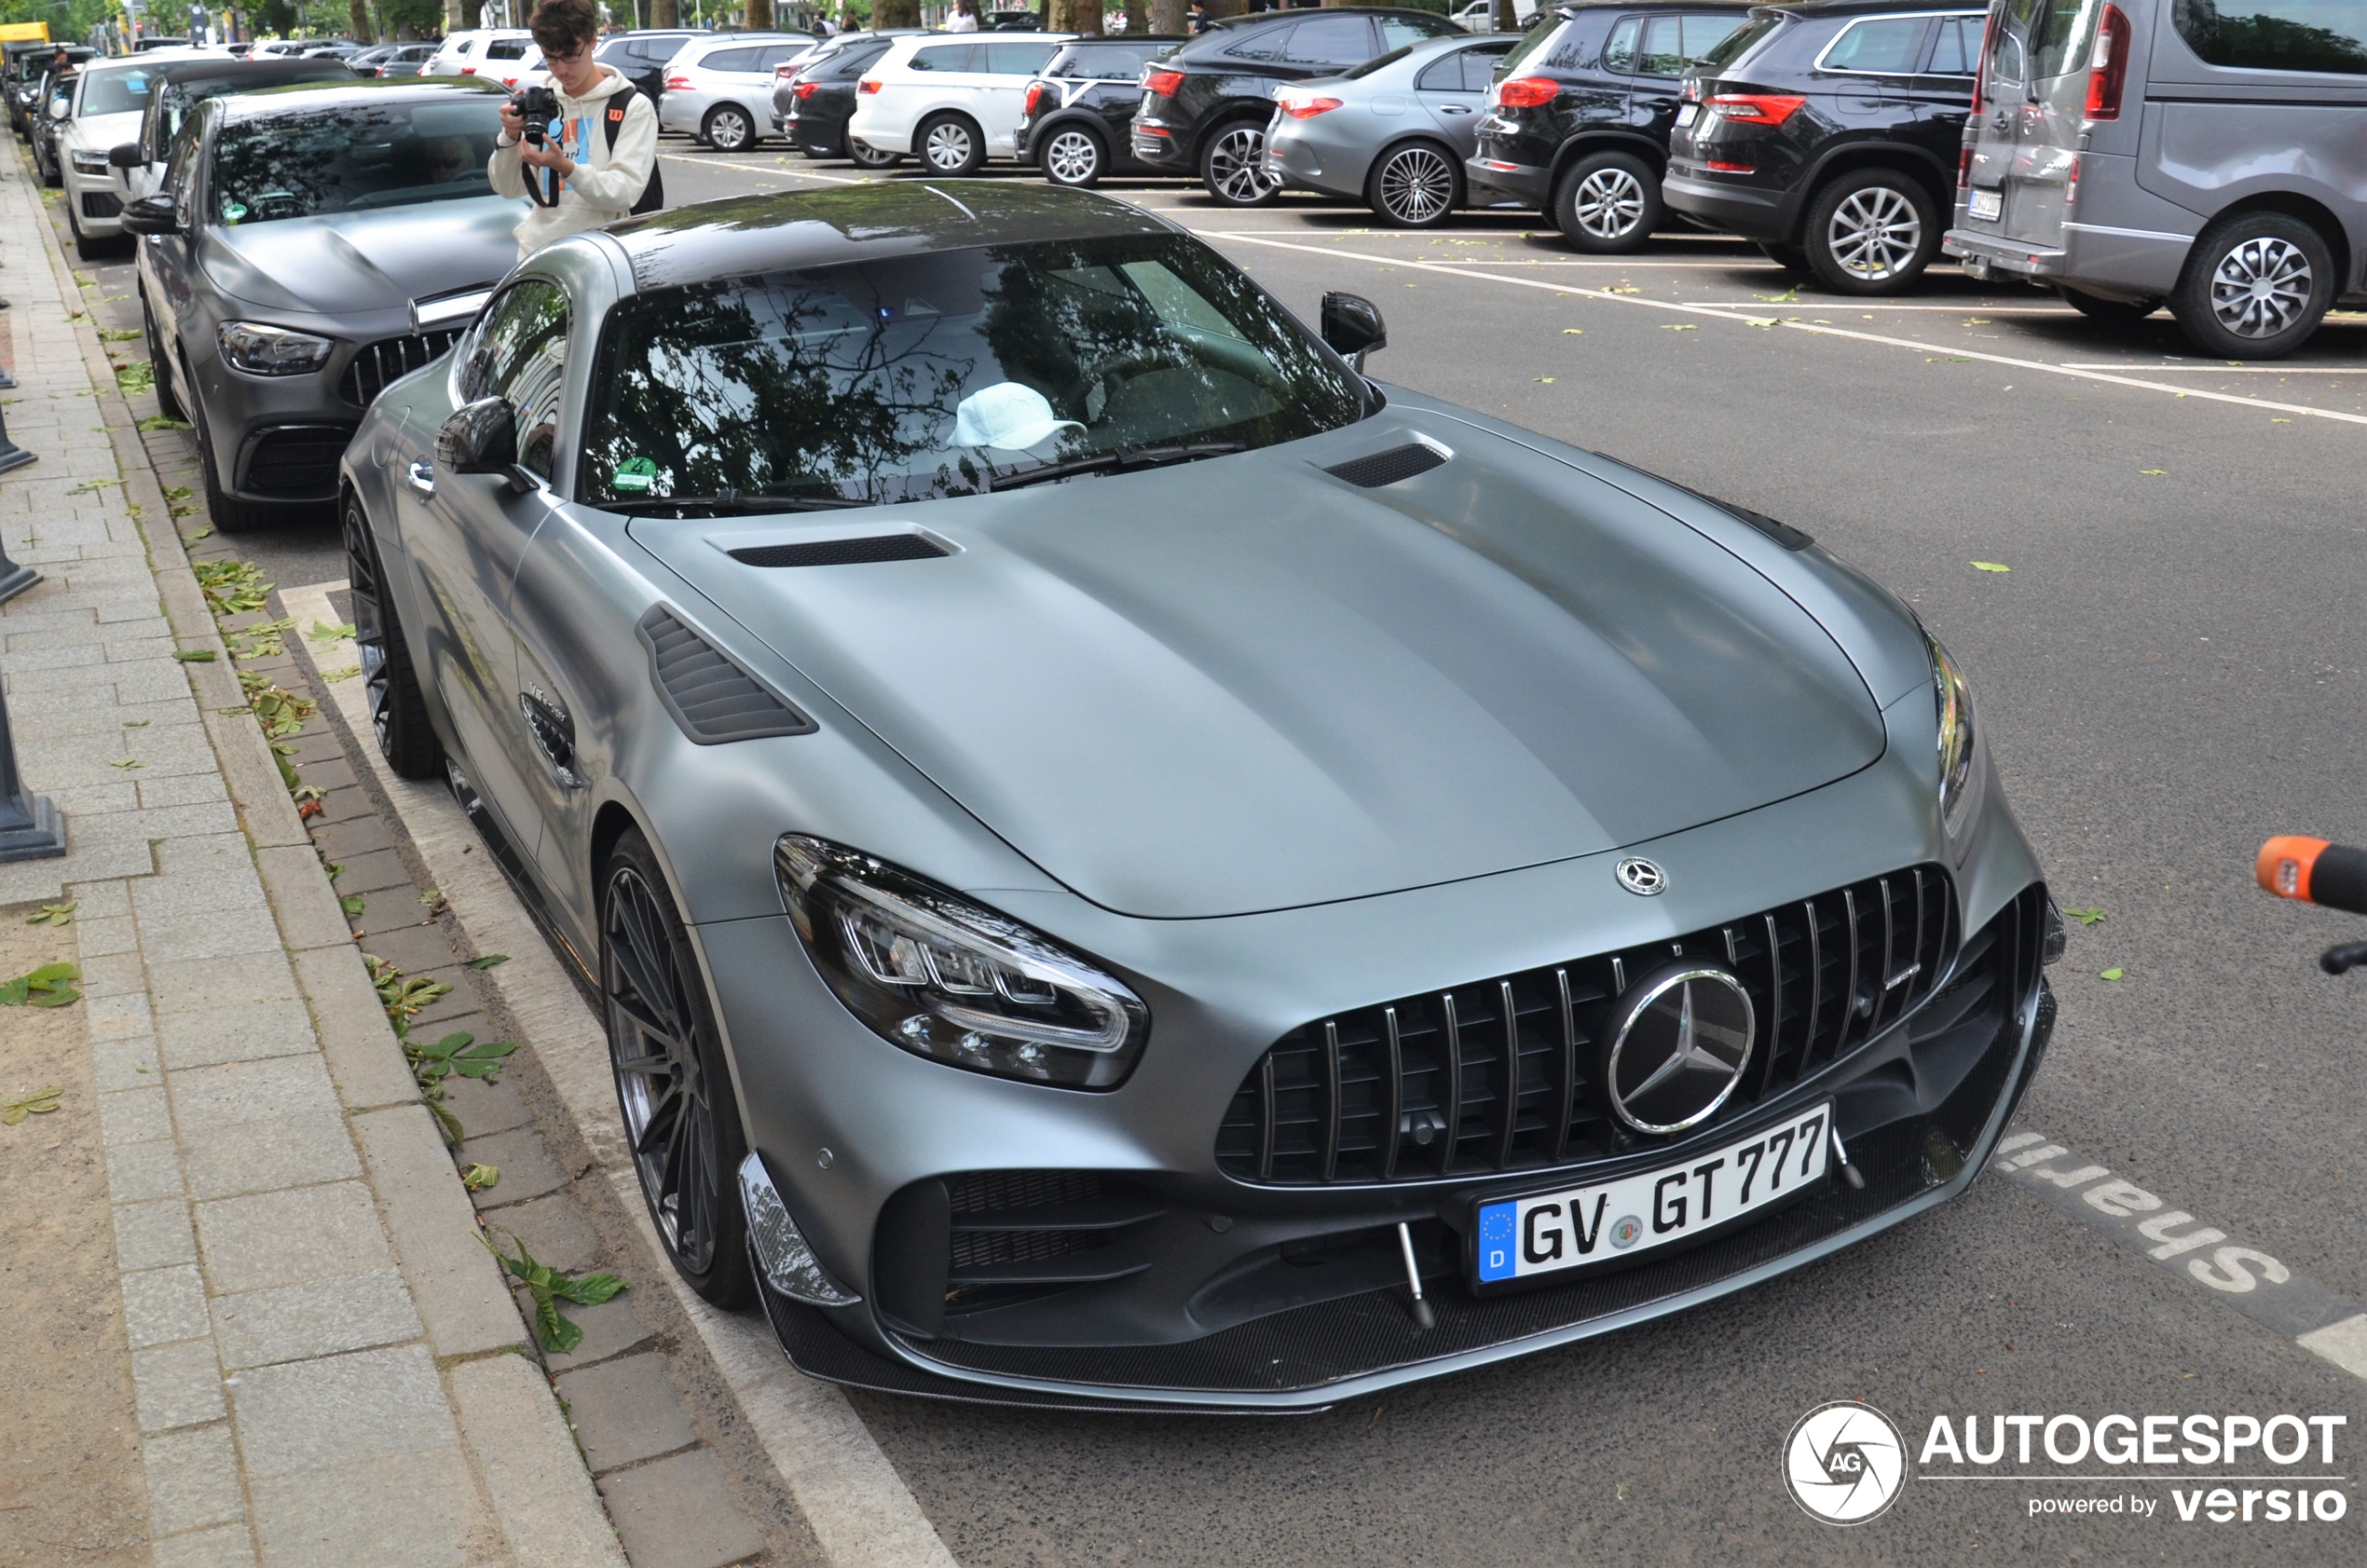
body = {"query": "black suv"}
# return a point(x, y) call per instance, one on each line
point(811, 107)
point(1578, 122)
point(1830, 134)
point(1073, 119)
point(640, 58)
point(1206, 107)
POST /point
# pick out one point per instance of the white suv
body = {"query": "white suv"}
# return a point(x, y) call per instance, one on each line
point(110, 99)
point(714, 87)
point(480, 52)
point(951, 102)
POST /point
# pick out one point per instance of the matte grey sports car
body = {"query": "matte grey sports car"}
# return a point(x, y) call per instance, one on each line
point(1131, 866)
point(311, 243)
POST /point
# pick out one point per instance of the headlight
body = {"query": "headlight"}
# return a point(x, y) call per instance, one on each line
point(261, 350)
point(90, 163)
point(945, 979)
point(1960, 777)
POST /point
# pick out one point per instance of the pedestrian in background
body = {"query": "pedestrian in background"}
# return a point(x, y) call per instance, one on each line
point(965, 18)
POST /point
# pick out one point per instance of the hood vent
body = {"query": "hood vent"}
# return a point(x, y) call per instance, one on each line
point(1386, 467)
point(710, 697)
point(843, 552)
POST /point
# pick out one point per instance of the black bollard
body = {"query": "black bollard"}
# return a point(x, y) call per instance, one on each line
point(30, 827)
point(14, 578)
point(11, 455)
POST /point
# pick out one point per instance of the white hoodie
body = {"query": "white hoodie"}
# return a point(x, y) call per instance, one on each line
point(605, 185)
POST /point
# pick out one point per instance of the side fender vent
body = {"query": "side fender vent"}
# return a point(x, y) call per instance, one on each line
point(1386, 467)
point(710, 697)
point(843, 552)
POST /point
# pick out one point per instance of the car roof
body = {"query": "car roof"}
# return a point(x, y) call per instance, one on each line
point(1867, 7)
point(1263, 19)
point(291, 98)
point(278, 72)
point(740, 236)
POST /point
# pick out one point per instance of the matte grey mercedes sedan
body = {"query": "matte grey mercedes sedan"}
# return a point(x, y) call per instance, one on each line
point(1393, 133)
point(310, 244)
point(1130, 866)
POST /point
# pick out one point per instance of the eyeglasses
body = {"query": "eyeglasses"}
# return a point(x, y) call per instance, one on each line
point(574, 57)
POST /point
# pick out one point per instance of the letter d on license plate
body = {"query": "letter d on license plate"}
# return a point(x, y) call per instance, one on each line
point(1616, 1221)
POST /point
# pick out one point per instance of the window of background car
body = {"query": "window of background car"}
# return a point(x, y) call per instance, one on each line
point(357, 159)
point(1957, 46)
point(1564, 36)
point(944, 56)
point(507, 48)
point(1330, 41)
point(1108, 62)
point(1877, 46)
point(1396, 31)
point(729, 60)
point(1016, 59)
point(1382, 63)
point(849, 384)
point(1729, 49)
point(520, 356)
point(1620, 53)
point(115, 92)
point(2329, 35)
point(856, 61)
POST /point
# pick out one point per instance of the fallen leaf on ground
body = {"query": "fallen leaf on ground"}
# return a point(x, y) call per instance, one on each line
point(46, 986)
point(1573, 332)
point(476, 1178)
point(1990, 566)
point(324, 634)
point(38, 1103)
point(53, 914)
point(163, 422)
point(352, 904)
point(2084, 917)
point(127, 763)
point(2153, 474)
point(343, 672)
point(488, 960)
point(1544, 380)
point(2113, 974)
point(1680, 326)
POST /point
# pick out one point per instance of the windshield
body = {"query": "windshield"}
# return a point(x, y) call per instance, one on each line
point(947, 375)
point(362, 156)
point(2038, 40)
point(115, 92)
point(1731, 47)
point(1533, 40)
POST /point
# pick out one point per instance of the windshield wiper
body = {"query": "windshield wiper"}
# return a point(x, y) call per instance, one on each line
point(1121, 460)
point(730, 503)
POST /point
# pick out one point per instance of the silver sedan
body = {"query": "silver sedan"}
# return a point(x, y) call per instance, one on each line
point(1393, 132)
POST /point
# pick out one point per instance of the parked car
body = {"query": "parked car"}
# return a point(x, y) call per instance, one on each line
point(180, 85)
point(1828, 133)
point(56, 106)
point(393, 60)
point(1205, 107)
point(477, 51)
point(33, 68)
point(951, 103)
point(1480, 15)
point(310, 245)
point(812, 104)
point(109, 100)
point(148, 41)
point(1577, 126)
point(1393, 133)
point(713, 86)
point(1451, 847)
point(2143, 152)
point(1074, 116)
point(642, 57)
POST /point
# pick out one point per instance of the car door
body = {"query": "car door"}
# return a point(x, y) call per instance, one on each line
point(464, 536)
point(1938, 98)
point(1451, 87)
point(1009, 67)
point(167, 261)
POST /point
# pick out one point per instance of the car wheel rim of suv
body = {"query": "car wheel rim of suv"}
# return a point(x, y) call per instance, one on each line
point(2261, 287)
point(1874, 234)
point(1234, 165)
point(1610, 203)
point(949, 147)
point(653, 1044)
point(1071, 157)
point(1417, 186)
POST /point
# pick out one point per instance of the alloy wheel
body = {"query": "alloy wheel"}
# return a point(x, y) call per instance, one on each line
point(1072, 157)
point(727, 130)
point(1417, 186)
point(669, 1113)
point(1610, 203)
point(948, 147)
point(867, 156)
point(1236, 166)
point(1875, 233)
point(2261, 287)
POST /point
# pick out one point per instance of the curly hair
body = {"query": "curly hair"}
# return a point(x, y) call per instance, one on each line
point(564, 26)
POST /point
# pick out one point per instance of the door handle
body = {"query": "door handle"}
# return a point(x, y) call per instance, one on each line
point(1453, 109)
point(423, 478)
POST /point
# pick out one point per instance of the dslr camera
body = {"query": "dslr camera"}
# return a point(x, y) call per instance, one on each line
point(538, 106)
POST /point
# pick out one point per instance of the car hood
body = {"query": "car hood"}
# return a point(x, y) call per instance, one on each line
point(1243, 683)
point(342, 263)
point(102, 131)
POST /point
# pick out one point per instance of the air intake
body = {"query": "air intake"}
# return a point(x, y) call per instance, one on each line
point(1386, 467)
point(843, 552)
point(710, 697)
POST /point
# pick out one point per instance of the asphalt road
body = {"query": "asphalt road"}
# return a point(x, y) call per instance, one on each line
point(2161, 675)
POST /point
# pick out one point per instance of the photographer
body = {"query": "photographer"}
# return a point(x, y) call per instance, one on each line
point(588, 155)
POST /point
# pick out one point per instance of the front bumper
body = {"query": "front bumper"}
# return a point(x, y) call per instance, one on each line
point(98, 204)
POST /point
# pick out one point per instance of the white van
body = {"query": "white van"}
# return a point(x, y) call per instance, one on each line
point(951, 102)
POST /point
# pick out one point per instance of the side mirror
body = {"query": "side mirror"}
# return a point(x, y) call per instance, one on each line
point(128, 156)
point(482, 437)
point(1353, 327)
point(150, 214)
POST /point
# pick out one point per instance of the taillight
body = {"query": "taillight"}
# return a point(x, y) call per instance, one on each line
point(805, 90)
point(1965, 170)
point(2108, 66)
point(1163, 83)
point(1693, 93)
point(1527, 92)
point(682, 83)
point(1716, 167)
point(1304, 106)
point(869, 84)
point(1755, 108)
point(1035, 96)
point(509, 81)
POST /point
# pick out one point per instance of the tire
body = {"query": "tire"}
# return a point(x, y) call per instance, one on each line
point(2112, 312)
point(84, 247)
point(949, 145)
point(1232, 166)
point(1073, 156)
point(867, 156)
point(1608, 204)
point(160, 364)
point(674, 1089)
point(1415, 185)
point(1791, 258)
point(398, 708)
point(229, 516)
point(729, 128)
point(2255, 287)
point(1872, 231)
point(51, 175)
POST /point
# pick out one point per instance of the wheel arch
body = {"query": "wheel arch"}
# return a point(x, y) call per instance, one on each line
point(1219, 121)
point(1432, 139)
point(1938, 183)
point(2290, 204)
point(1586, 143)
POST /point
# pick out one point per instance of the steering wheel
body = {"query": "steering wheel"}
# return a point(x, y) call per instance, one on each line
point(1135, 360)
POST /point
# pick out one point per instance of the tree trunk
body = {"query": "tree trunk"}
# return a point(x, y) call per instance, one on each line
point(1507, 17)
point(1058, 15)
point(896, 13)
point(1217, 9)
point(1168, 16)
point(365, 30)
point(1084, 17)
point(760, 15)
point(665, 13)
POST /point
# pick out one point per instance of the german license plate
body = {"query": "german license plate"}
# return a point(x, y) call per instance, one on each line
point(1985, 205)
point(1685, 114)
point(1620, 1220)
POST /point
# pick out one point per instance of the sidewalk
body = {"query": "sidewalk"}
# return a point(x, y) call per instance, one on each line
point(323, 1364)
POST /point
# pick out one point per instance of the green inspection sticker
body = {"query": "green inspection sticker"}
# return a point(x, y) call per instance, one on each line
point(634, 473)
point(232, 212)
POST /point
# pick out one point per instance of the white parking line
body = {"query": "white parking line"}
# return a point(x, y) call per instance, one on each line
point(2217, 369)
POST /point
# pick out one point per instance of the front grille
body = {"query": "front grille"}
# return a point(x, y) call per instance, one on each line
point(101, 204)
point(390, 359)
point(1505, 1075)
point(296, 465)
point(1022, 1234)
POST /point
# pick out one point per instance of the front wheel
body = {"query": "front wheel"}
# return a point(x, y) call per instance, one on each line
point(1872, 232)
point(229, 514)
point(672, 1083)
point(867, 156)
point(1415, 187)
point(1073, 156)
point(949, 145)
point(728, 128)
point(1608, 204)
point(2255, 287)
point(1233, 167)
point(160, 364)
point(398, 710)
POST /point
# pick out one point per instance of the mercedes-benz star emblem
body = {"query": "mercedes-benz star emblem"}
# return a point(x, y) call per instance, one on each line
point(1683, 1038)
point(1642, 877)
